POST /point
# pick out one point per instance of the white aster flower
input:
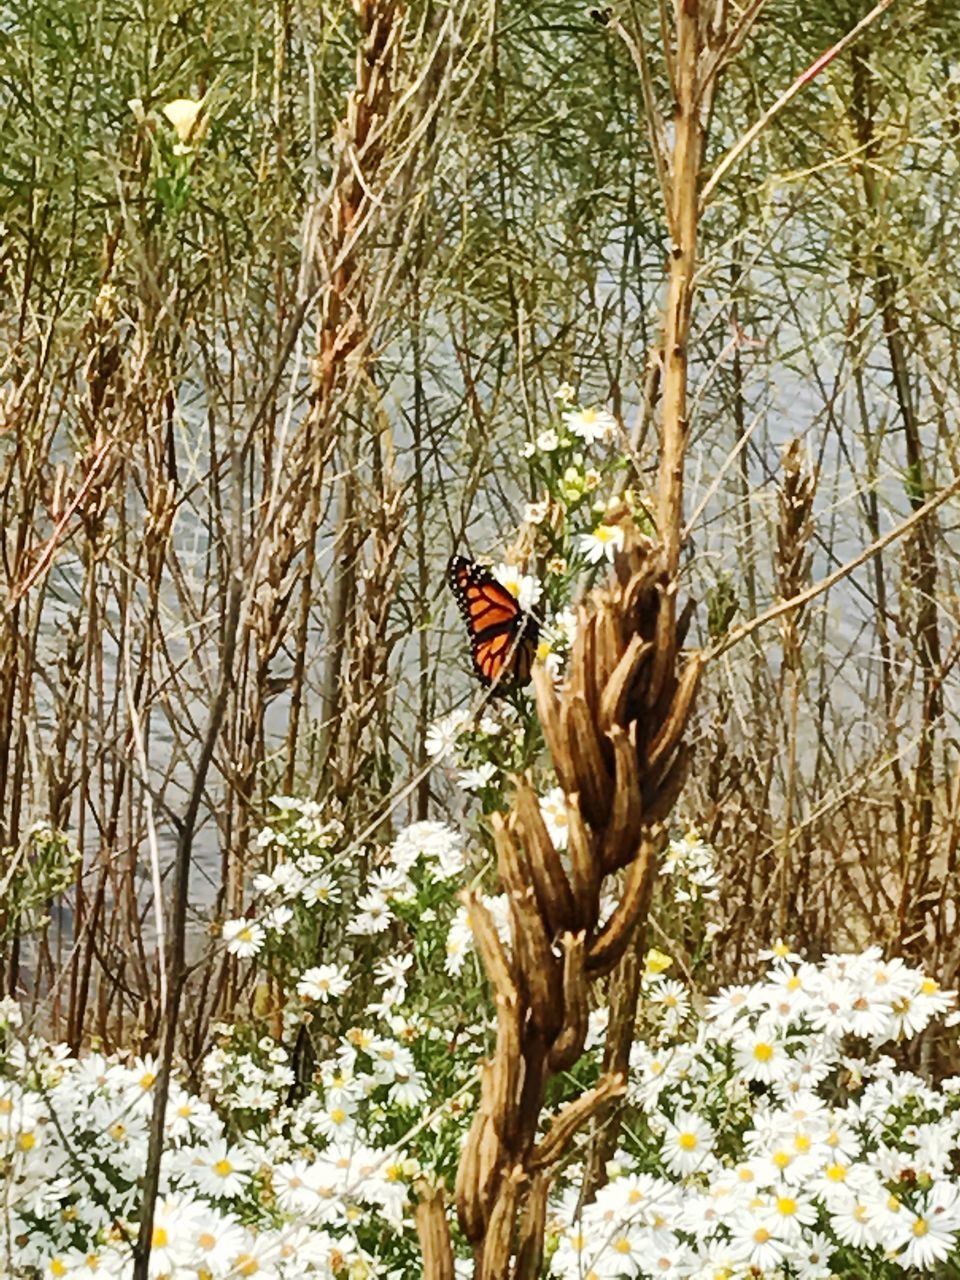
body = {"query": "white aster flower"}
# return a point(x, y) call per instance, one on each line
point(761, 1056)
point(218, 1169)
point(536, 512)
point(524, 587)
point(476, 779)
point(591, 425)
point(244, 938)
point(602, 544)
point(278, 917)
point(687, 1143)
point(375, 914)
point(442, 735)
point(323, 983)
point(437, 844)
point(755, 1244)
point(218, 1239)
point(322, 889)
point(459, 942)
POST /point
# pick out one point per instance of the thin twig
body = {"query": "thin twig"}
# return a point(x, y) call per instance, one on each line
point(801, 82)
point(831, 580)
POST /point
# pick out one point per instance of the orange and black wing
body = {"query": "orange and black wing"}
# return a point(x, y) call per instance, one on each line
point(503, 636)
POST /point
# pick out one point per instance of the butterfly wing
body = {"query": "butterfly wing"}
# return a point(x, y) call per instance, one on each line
point(503, 636)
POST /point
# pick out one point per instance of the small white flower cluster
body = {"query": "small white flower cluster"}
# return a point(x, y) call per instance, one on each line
point(689, 864)
point(239, 1080)
point(763, 1146)
point(303, 1191)
point(307, 876)
point(300, 842)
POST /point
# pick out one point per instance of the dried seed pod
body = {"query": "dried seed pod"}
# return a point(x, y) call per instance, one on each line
point(549, 878)
point(621, 836)
point(506, 1068)
point(566, 1123)
point(673, 726)
point(433, 1232)
point(495, 961)
point(498, 1241)
point(584, 867)
point(664, 653)
point(467, 1189)
point(609, 645)
point(548, 711)
point(664, 791)
point(609, 944)
point(588, 765)
point(613, 703)
point(568, 1045)
point(542, 975)
point(532, 1225)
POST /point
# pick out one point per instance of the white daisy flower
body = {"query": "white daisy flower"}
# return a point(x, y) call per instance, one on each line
point(605, 541)
point(591, 425)
point(477, 778)
point(687, 1143)
point(526, 588)
point(244, 938)
point(442, 735)
point(323, 983)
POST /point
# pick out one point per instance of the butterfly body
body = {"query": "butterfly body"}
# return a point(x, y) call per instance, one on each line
point(503, 637)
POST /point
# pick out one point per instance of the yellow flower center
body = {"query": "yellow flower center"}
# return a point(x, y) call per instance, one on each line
point(57, 1268)
point(781, 1159)
point(787, 1206)
point(147, 1080)
point(205, 1240)
point(836, 1172)
point(223, 1168)
point(761, 1235)
point(763, 1052)
point(338, 1115)
point(920, 1227)
point(246, 1266)
point(687, 1141)
point(159, 1239)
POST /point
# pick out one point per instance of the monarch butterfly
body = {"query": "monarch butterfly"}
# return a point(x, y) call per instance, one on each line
point(503, 637)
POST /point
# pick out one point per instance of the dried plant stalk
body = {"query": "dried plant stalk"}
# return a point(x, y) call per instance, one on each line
point(792, 563)
point(615, 732)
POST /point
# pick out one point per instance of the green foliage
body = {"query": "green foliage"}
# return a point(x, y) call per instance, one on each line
point(32, 876)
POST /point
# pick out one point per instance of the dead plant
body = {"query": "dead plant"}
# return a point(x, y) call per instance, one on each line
point(615, 733)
